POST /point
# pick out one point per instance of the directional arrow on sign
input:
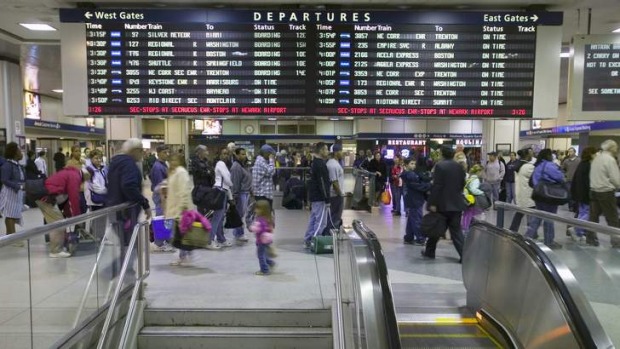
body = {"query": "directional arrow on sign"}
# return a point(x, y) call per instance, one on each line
point(88, 15)
point(534, 18)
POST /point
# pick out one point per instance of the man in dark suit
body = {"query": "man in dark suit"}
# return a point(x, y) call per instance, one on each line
point(445, 198)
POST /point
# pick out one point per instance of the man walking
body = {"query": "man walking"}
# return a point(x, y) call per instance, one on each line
point(494, 174)
point(336, 192)
point(241, 188)
point(262, 174)
point(604, 181)
point(125, 185)
point(445, 198)
point(41, 163)
point(318, 190)
point(569, 166)
point(159, 173)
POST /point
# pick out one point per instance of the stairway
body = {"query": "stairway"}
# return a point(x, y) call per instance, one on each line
point(236, 328)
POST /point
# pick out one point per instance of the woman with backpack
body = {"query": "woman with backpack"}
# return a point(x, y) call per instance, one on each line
point(545, 170)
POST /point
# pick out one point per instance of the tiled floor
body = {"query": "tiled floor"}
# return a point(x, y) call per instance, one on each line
point(225, 279)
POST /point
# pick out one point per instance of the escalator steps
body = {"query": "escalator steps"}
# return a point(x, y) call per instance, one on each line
point(434, 335)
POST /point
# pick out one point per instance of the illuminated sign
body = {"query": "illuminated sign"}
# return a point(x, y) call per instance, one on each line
point(318, 63)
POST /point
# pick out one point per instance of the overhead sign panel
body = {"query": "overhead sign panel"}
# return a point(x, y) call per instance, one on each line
point(314, 63)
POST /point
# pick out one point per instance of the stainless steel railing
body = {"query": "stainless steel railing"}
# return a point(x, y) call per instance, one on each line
point(142, 272)
point(596, 227)
point(65, 223)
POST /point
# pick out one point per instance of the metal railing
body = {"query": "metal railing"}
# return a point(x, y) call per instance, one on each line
point(364, 305)
point(591, 226)
point(142, 273)
point(62, 224)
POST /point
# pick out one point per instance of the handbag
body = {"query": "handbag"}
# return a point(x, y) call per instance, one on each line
point(98, 199)
point(196, 237)
point(233, 220)
point(386, 196)
point(469, 197)
point(434, 225)
point(550, 193)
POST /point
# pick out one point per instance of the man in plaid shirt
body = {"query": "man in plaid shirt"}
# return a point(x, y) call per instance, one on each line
point(262, 174)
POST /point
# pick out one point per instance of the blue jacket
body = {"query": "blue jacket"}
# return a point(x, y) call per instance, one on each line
point(415, 189)
point(547, 171)
point(11, 175)
point(159, 172)
point(125, 182)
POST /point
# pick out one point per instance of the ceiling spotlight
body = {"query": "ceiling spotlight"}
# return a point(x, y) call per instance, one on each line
point(38, 27)
point(57, 90)
point(565, 54)
point(616, 30)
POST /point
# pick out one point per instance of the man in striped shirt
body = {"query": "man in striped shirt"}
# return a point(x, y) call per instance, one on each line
point(262, 174)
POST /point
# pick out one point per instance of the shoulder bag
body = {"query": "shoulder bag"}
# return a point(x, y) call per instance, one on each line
point(551, 193)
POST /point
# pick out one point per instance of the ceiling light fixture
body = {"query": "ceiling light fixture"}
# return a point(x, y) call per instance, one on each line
point(57, 91)
point(565, 54)
point(616, 30)
point(38, 27)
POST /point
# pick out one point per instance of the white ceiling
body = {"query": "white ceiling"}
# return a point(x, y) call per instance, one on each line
point(40, 51)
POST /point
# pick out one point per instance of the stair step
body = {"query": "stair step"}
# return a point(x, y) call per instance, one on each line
point(211, 337)
point(444, 335)
point(238, 317)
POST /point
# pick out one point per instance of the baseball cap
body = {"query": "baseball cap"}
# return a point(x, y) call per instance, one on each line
point(161, 148)
point(335, 148)
point(267, 148)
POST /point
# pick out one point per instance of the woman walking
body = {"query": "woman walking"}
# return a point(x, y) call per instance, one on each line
point(178, 200)
point(224, 181)
point(545, 171)
point(12, 194)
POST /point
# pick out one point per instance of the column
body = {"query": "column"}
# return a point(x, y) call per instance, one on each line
point(11, 100)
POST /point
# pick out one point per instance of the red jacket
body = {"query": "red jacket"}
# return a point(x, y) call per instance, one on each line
point(396, 180)
point(67, 181)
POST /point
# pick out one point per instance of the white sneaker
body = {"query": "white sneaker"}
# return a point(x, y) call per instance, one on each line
point(242, 238)
point(167, 248)
point(154, 248)
point(61, 254)
point(226, 244)
point(213, 246)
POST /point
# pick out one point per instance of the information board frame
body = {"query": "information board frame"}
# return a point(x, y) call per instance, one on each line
point(576, 78)
point(73, 28)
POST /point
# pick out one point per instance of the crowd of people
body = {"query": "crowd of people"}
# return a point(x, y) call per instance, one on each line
point(83, 182)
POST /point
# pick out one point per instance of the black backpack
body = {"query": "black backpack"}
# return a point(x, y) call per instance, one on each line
point(35, 189)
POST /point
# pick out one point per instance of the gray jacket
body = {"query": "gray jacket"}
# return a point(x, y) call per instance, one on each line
point(241, 179)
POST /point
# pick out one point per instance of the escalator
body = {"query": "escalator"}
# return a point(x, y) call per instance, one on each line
point(512, 296)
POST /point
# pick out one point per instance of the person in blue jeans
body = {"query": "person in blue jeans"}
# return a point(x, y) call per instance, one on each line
point(263, 228)
point(318, 192)
point(241, 189)
point(414, 189)
point(547, 171)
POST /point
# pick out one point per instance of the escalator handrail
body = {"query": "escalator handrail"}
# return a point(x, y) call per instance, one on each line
point(369, 237)
point(552, 275)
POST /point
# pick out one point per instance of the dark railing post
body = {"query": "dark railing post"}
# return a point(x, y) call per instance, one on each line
point(499, 217)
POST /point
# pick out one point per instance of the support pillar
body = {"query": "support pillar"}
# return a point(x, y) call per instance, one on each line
point(11, 101)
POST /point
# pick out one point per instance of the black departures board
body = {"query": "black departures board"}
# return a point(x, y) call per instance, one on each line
point(310, 63)
point(601, 77)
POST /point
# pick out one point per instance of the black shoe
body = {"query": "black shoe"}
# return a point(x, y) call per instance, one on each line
point(407, 242)
point(420, 242)
point(593, 242)
point(554, 246)
point(397, 214)
point(423, 253)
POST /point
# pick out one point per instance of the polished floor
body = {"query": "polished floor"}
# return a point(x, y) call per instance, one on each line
point(41, 295)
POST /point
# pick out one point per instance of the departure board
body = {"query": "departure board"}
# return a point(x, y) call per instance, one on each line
point(310, 63)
